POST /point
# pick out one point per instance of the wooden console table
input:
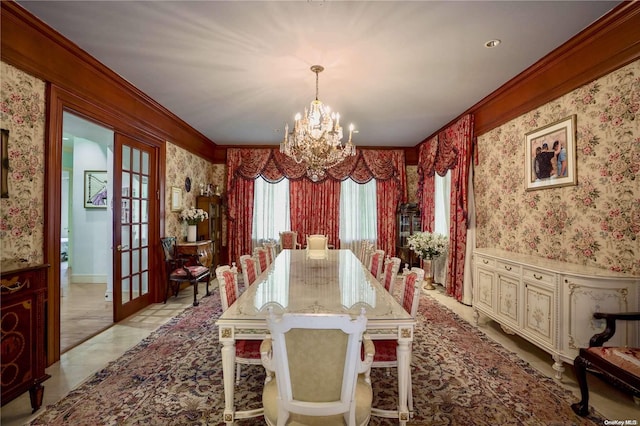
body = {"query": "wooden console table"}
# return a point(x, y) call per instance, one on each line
point(23, 293)
point(551, 303)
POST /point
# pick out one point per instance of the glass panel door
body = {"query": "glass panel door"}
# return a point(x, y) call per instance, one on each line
point(134, 164)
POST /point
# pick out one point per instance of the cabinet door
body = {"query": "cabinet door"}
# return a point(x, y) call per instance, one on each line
point(485, 289)
point(539, 316)
point(509, 305)
point(584, 296)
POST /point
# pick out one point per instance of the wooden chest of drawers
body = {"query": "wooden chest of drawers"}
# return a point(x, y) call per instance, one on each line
point(23, 295)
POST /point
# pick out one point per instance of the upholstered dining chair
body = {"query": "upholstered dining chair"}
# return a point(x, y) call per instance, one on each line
point(260, 253)
point(385, 354)
point(366, 248)
point(181, 268)
point(289, 240)
point(249, 266)
point(317, 247)
point(390, 273)
point(271, 247)
point(321, 376)
point(376, 260)
point(247, 351)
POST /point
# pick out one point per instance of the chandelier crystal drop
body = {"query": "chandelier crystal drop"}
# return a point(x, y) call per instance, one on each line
point(316, 138)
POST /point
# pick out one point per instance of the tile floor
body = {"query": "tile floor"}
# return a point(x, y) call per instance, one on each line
point(78, 364)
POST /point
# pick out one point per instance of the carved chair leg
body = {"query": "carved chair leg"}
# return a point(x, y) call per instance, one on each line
point(166, 291)
point(195, 293)
point(580, 367)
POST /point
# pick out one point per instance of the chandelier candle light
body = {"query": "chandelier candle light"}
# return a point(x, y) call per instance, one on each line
point(428, 246)
point(316, 138)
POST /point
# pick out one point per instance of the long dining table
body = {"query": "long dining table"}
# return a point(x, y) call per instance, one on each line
point(295, 283)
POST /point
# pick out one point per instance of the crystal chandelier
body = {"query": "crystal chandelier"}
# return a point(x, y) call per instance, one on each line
point(316, 138)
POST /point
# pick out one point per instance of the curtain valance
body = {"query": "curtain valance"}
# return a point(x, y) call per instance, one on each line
point(367, 164)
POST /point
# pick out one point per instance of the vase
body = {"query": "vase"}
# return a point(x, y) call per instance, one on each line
point(192, 231)
point(428, 274)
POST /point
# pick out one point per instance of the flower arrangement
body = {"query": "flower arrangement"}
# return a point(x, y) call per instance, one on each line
point(428, 245)
point(192, 216)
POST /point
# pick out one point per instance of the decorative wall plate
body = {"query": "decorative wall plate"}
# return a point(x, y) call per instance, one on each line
point(187, 184)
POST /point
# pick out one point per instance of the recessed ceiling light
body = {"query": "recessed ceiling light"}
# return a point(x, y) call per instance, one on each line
point(492, 43)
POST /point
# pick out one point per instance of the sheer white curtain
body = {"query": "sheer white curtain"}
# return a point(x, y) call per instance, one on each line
point(358, 214)
point(442, 198)
point(270, 210)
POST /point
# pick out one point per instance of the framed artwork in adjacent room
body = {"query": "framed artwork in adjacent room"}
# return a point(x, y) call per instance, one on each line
point(95, 189)
point(550, 155)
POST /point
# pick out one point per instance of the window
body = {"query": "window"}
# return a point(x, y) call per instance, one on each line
point(270, 210)
point(442, 198)
point(358, 213)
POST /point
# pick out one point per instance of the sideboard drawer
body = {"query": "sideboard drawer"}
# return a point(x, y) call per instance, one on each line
point(486, 261)
point(508, 267)
point(537, 275)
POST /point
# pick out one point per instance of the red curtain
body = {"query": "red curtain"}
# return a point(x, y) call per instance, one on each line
point(386, 166)
point(426, 183)
point(451, 149)
point(315, 209)
point(460, 136)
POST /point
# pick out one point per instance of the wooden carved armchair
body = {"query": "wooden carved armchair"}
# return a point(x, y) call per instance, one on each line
point(619, 366)
point(182, 268)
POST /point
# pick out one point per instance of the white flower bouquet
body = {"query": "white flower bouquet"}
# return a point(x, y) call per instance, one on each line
point(192, 216)
point(428, 245)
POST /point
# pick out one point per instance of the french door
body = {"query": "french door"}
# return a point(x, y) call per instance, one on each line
point(135, 190)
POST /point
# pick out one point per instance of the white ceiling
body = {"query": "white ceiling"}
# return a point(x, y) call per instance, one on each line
point(238, 70)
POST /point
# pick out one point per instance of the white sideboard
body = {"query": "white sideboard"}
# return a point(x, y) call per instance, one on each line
point(551, 303)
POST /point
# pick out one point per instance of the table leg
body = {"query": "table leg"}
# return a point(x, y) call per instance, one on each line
point(403, 352)
point(228, 376)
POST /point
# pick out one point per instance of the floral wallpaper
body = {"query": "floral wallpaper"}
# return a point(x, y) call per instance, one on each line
point(596, 222)
point(22, 112)
point(180, 165)
point(412, 184)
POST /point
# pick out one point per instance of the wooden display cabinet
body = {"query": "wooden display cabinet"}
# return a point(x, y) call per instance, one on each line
point(23, 290)
point(211, 229)
point(408, 223)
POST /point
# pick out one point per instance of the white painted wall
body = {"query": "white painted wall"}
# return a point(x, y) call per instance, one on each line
point(91, 227)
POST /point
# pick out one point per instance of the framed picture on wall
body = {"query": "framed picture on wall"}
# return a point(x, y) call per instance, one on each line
point(550, 155)
point(95, 189)
point(176, 198)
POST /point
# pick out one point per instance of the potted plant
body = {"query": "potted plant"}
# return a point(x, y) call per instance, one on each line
point(192, 216)
point(428, 246)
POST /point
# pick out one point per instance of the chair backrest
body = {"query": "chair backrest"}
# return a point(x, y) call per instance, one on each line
point(376, 261)
point(366, 248)
point(228, 284)
point(249, 267)
point(271, 250)
point(168, 248)
point(327, 345)
point(260, 253)
point(289, 240)
point(317, 242)
point(391, 268)
point(411, 290)
point(317, 247)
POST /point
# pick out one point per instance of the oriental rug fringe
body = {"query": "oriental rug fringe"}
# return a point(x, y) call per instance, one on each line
point(174, 377)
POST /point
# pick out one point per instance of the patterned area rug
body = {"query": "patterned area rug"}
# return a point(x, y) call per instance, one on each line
point(174, 377)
